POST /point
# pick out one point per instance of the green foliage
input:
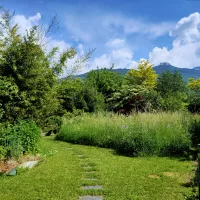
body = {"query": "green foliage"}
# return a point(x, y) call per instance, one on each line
point(23, 137)
point(128, 98)
point(172, 90)
point(194, 95)
point(29, 74)
point(52, 124)
point(170, 83)
point(138, 135)
point(105, 81)
point(173, 102)
point(144, 75)
point(152, 100)
point(61, 176)
point(8, 98)
point(194, 84)
point(75, 94)
point(195, 131)
point(3, 152)
point(26, 64)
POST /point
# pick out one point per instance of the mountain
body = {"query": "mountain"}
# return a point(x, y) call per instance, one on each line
point(164, 66)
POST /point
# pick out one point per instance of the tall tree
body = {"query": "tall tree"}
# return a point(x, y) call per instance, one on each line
point(33, 71)
point(172, 88)
point(144, 75)
point(105, 80)
point(170, 83)
point(76, 94)
point(194, 95)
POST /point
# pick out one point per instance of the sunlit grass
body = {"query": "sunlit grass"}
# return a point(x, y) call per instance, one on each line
point(60, 176)
point(139, 134)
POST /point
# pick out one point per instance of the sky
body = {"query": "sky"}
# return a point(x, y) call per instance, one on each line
point(122, 32)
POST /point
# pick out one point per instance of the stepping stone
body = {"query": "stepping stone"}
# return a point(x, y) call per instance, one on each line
point(91, 198)
point(29, 164)
point(13, 172)
point(87, 167)
point(90, 179)
point(93, 171)
point(92, 187)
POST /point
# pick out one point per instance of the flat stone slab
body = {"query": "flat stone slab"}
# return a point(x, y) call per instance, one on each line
point(92, 187)
point(90, 179)
point(29, 164)
point(91, 198)
point(87, 167)
point(90, 172)
point(80, 155)
point(13, 172)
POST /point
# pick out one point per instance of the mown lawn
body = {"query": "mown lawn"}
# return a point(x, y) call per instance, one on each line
point(60, 175)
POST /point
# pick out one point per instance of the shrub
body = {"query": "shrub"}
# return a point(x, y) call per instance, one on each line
point(52, 124)
point(23, 137)
point(195, 131)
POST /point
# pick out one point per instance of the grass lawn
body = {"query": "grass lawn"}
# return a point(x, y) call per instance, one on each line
point(60, 175)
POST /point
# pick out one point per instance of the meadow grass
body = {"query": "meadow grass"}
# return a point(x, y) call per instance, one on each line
point(56, 177)
point(60, 176)
point(139, 134)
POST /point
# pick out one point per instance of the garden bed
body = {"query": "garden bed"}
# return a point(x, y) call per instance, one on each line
point(7, 166)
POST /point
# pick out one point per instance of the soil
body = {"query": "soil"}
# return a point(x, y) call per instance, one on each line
point(6, 166)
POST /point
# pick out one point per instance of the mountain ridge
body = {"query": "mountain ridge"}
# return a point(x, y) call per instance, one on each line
point(162, 67)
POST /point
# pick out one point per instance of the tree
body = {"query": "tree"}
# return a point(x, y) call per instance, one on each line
point(106, 81)
point(172, 89)
point(194, 95)
point(8, 98)
point(34, 73)
point(127, 99)
point(74, 94)
point(170, 83)
point(144, 75)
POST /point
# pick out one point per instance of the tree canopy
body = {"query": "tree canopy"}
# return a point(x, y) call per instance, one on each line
point(143, 75)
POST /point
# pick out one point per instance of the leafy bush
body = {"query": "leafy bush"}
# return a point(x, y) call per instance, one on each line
point(52, 124)
point(195, 131)
point(74, 94)
point(137, 135)
point(15, 140)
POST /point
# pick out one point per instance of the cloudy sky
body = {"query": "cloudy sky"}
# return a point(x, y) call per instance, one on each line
point(122, 31)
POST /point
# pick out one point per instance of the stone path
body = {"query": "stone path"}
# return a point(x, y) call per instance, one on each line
point(90, 172)
point(91, 198)
point(92, 187)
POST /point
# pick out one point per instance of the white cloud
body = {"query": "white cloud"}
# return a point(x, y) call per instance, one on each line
point(61, 44)
point(119, 54)
point(131, 26)
point(104, 27)
point(26, 23)
point(185, 47)
point(187, 30)
point(115, 43)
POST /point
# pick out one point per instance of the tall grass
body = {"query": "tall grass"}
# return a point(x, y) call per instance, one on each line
point(137, 135)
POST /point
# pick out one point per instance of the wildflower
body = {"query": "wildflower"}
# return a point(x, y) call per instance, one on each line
point(168, 125)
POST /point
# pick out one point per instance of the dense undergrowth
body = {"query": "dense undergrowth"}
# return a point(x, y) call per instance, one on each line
point(18, 139)
point(160, 134)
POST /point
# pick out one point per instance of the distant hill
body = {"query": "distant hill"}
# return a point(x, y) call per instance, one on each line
point(164, 66)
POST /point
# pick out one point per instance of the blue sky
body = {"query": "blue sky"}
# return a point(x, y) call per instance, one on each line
point(121, 31)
